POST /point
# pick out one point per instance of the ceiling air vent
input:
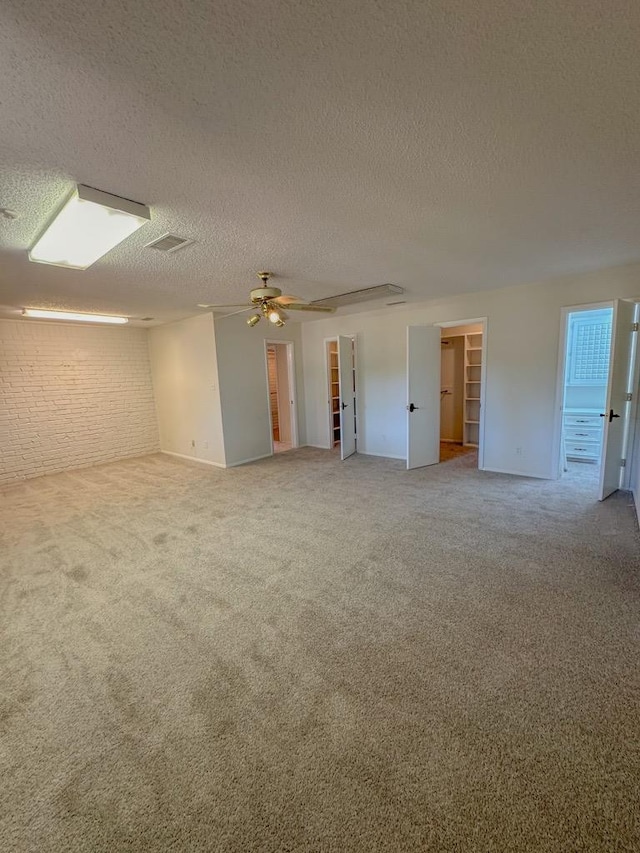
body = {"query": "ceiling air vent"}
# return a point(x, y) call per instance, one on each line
point(169, 243)
point(364, 295)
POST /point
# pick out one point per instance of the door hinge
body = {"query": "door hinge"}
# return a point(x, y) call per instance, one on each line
point(623, 463)
point(629, 397)
point(634, 327)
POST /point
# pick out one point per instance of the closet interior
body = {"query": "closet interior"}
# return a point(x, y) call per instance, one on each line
point(585, 384)
point(334, 392)
point(341, 373)
point(460, 389)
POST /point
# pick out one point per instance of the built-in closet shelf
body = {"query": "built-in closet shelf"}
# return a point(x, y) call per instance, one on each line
point(472, 389)
point(334, 391)
point(341, 389)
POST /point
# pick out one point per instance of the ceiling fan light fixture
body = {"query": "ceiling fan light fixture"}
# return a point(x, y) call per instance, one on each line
point(268, 302)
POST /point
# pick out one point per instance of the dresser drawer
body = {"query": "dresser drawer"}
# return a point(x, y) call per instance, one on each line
point(582, 421)
point(582, 433)
point(582, 450)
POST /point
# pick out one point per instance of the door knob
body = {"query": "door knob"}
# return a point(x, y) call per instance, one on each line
point(344, 405)
point(611, 415)
point(412, 408)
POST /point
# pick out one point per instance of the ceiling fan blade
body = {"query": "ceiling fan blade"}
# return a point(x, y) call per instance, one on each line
point(286, 299)
point(303, 307)
point(234, 305)
point(241, 311)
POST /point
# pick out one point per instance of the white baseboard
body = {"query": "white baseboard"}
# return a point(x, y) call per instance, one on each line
point(318, 446)
point(246, 461)
point(194, 459)
point(381, 455)
point(515, 473)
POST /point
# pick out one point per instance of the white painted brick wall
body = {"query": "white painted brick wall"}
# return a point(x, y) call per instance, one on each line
point(72, 396)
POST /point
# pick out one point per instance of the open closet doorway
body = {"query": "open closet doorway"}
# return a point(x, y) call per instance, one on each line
point(596, 367)
point(282, 398)
point(446, 365)
point(341, 382)
point(460, 391)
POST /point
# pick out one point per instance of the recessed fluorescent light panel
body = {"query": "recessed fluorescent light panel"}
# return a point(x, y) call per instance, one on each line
point(41, 314)
point(90, 224)
point(364, 295)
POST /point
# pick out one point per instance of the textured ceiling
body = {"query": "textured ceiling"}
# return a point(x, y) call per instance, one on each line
point(444, 145)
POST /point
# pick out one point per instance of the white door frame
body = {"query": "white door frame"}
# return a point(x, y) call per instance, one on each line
point(560, 379)
point(291, 379)
point(482, 321)
point(346, 371)
point(622, 340)
point(633, 407)
point(634, 372)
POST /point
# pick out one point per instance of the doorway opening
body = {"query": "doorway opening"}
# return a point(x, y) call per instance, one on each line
point(446, 379)
point(597, 363)
point(282, 400)
point(460, 391)
point(341, 385)
point(584, 393)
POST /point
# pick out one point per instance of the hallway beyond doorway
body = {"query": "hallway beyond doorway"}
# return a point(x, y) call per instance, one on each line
point(281, 446)
point(451, 450)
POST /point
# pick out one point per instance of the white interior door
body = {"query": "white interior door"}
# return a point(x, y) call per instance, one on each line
point(423, 395)
point(616, 410)
point(347, 397)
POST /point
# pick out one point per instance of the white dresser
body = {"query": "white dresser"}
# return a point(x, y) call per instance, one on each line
point(582, 434)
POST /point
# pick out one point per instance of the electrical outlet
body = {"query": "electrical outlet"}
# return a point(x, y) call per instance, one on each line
point(518, 451)
point(193, 442)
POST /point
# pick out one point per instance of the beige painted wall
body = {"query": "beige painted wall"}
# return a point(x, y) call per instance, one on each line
point(243, 385)
point(523, 326)
point(185, 383)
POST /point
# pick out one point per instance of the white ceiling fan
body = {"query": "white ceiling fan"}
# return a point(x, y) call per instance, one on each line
point(269, 302)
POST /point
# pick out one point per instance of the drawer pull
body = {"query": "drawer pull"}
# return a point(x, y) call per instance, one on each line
point(581, 449)
point(583, 434)
point(583, 420)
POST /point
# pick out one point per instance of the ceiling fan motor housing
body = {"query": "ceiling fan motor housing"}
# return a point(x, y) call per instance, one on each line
point(262, 293)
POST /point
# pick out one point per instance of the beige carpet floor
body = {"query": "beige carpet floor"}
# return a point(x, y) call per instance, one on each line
point(309, 655)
